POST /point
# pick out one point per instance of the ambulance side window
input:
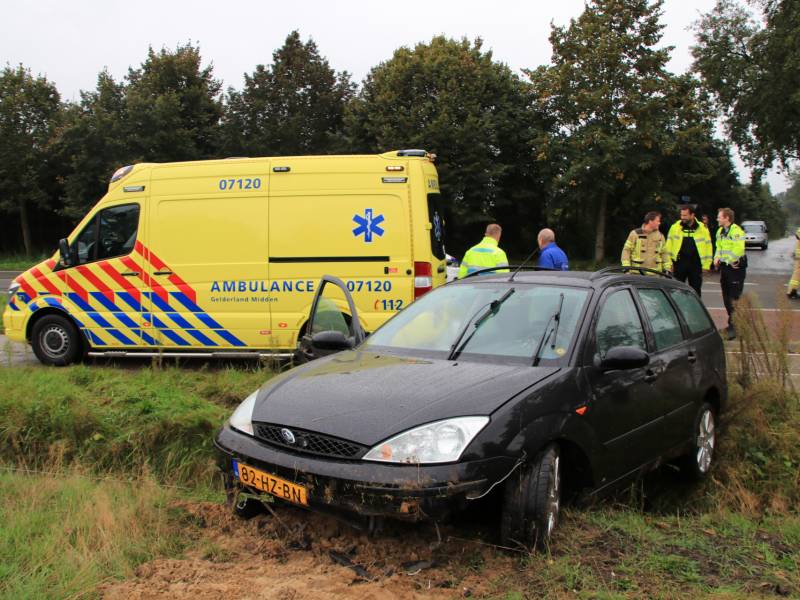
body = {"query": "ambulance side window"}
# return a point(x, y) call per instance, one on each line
point(110, 233)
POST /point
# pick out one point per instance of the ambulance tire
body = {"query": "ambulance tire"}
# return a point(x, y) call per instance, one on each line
point(532, 501)
point(56, 341)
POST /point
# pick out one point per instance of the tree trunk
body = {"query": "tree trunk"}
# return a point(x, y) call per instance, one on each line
point(600, 232)
point(26, 228)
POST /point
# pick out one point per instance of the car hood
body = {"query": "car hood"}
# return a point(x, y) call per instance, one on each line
point(367, 397)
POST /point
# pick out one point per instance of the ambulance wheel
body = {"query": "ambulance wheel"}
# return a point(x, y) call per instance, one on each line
point(56, 341)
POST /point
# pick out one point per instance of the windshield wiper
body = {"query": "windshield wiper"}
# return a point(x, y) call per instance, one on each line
point(491, 310)
point(556, 316)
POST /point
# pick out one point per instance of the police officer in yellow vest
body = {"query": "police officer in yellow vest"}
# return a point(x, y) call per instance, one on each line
point(486, 254)
point(689, 247)
point(731, 262)
point(794, 282)
point(646, 246)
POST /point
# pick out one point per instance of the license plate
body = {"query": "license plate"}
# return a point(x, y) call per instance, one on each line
point(260, 480)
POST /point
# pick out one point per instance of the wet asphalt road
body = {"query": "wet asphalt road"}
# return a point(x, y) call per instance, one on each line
point(767, 274)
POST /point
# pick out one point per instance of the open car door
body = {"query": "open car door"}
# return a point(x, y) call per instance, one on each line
point(333, 324)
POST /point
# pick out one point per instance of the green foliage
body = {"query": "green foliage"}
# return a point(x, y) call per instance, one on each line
point(169, 109)
point(294, 106)
point(161, 421)
point(629, 136)
point(62, 535)
point(174, 107)
point(30, 109)
point(451, 98)
point(790, 200)
point(753, 71)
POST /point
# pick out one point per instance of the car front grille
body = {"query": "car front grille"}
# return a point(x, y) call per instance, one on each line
point(307, 442)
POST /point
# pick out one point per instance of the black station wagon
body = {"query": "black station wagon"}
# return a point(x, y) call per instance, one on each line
point(531, 385)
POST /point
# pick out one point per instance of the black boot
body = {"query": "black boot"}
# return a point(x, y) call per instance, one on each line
point(731, 331)
point(793, 295)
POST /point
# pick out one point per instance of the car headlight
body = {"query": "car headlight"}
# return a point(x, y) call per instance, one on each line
point(12, 290)
point(439, 442)
point(242, 417)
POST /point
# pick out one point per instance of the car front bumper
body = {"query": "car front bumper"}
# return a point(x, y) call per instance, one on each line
point(407, 492)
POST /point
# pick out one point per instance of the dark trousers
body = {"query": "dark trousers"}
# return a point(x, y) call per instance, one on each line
point(732, 283)
point(684, 270)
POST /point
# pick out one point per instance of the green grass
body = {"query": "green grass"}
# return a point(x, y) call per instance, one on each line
point(160, 421)
point(61, 536)
point(20, 262)
point(3, 303)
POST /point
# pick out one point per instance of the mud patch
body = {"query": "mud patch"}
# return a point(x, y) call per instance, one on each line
point(297, 555)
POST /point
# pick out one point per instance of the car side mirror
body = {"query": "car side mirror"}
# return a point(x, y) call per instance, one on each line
point(331, 340)
point(66, 255)
point(622, 357)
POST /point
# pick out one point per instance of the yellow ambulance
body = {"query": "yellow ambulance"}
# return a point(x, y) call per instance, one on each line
point(223, 256)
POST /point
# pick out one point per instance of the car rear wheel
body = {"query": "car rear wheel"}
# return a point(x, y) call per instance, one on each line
point(698, 462)
point(532, 502)
point(56, 341)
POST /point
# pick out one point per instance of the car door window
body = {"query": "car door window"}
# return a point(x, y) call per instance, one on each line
point(666, 326)
point(693, 313)
point(619, 324)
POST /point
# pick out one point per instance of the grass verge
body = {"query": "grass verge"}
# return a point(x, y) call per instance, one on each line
point(20, 262)
point(159, 421)
point(61, 536)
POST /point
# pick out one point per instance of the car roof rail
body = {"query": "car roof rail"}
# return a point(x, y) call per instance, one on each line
point(627, 269)
point(509, 268)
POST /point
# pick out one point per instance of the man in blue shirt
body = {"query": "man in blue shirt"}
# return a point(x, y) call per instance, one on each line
point(551, 257)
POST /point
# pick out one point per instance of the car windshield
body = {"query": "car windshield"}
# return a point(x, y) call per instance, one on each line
point(433, 323)
point(754, 228)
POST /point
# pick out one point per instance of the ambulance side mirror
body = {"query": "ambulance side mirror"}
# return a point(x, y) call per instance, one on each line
point(64, 251)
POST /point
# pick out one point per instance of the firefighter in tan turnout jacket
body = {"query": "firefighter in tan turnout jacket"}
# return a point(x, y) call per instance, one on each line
point(646, 246)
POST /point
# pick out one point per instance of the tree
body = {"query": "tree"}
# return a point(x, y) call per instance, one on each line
point(92, 144)
point(30, 108)
point(450, 98)
point(628, 136)
point(294, 106)
point(753, 71)
point(173, 107)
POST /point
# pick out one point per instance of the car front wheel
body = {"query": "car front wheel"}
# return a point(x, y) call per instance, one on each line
point(532, 501)
point(698, 462)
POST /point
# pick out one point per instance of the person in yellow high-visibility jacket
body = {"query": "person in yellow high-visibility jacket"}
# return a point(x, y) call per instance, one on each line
point(731, 263)
point(689, 247)
point(794, 281)
point(485, 254)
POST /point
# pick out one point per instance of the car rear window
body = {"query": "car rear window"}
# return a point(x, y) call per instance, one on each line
point(693, 313)
point(663, 320)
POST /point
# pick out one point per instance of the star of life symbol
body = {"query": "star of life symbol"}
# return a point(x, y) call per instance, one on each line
point(367, 225)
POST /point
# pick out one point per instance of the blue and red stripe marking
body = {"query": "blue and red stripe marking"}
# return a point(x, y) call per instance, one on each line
point(106, 297)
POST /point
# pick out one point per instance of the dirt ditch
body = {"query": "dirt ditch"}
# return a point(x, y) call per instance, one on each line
point(297, 555)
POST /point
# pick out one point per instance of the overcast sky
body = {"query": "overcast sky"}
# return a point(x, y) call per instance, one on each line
point(71, 42)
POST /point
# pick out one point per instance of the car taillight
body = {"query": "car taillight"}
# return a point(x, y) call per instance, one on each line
point(423, 278)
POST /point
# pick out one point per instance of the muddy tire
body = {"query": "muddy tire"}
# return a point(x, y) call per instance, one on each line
point(56, 341)
point(697, 463)
point(532, 502)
